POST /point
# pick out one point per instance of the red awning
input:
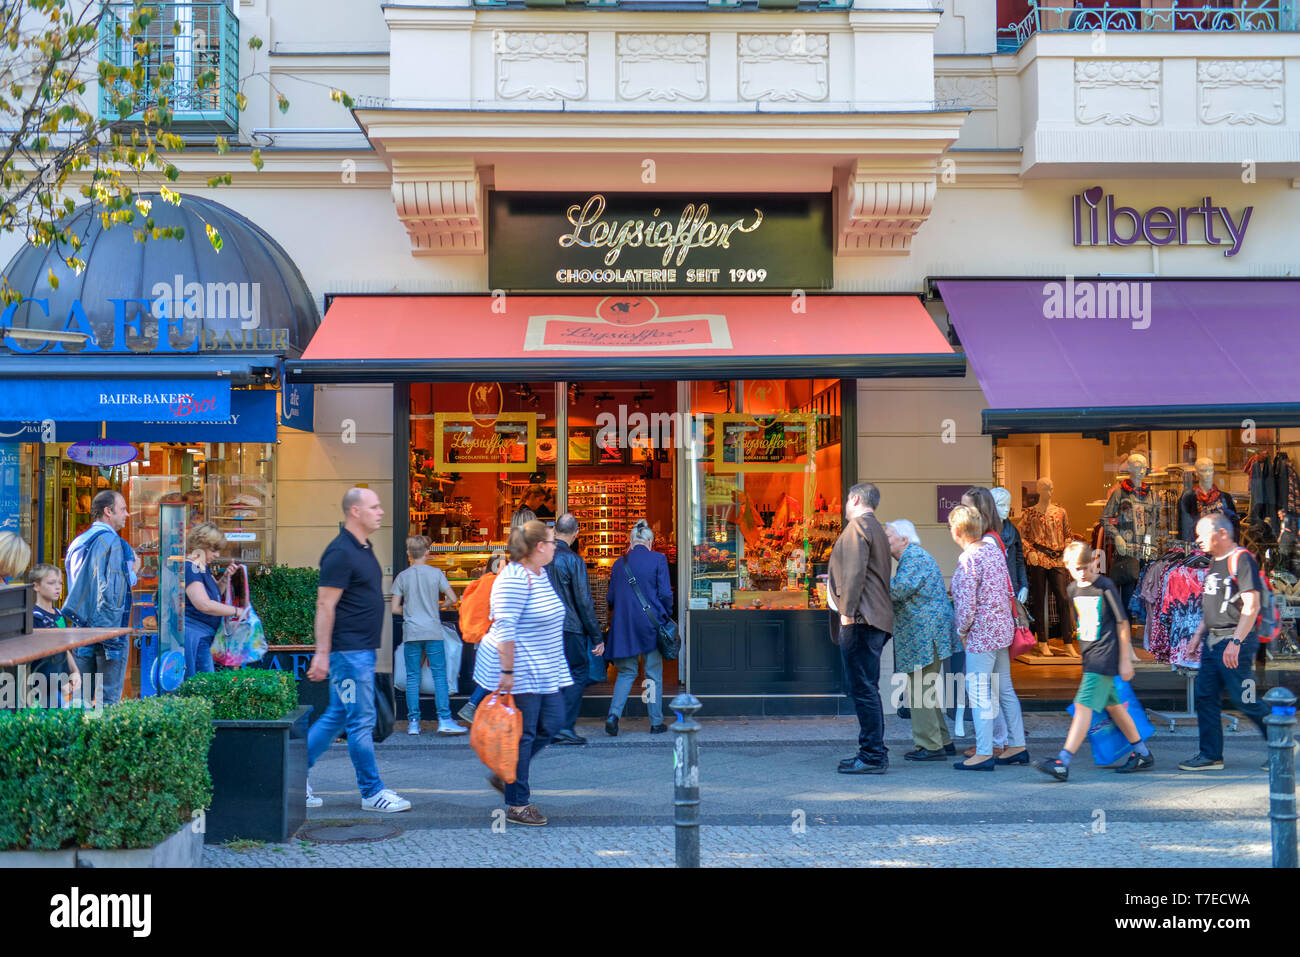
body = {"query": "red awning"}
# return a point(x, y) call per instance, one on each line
point(465, 338)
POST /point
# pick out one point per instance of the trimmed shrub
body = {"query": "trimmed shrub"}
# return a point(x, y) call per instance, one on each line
point(128, 778)
point(244, 694)
point(285, 598)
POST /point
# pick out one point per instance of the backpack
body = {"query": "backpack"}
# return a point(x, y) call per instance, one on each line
point(1269, 623)
point(476, 608)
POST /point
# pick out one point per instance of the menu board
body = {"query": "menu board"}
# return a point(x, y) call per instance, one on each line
point(465, 442)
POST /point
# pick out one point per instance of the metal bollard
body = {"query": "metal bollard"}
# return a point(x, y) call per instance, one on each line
point(1281, 775)
point(686, 779)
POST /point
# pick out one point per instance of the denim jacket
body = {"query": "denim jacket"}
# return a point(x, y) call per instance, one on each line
point(99, 587)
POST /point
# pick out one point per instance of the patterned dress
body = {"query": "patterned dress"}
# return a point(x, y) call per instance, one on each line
point(924, 628)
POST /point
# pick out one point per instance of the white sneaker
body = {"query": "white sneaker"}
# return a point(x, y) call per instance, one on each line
point(413, 727)
point(313, 800)
point(386, 801)
point(448, 726)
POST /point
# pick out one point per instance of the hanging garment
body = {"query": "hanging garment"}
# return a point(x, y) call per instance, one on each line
point(1178, 617)
point(1263, 491)
point(1193, 505)
point(1286, 489)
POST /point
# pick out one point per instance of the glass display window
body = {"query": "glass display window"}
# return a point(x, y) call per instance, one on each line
point(765, 495)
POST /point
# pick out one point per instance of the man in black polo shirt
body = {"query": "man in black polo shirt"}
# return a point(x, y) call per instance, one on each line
point(1229, 607)
point(349, 622)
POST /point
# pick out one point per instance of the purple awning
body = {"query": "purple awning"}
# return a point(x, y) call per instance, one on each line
point(1110, 353)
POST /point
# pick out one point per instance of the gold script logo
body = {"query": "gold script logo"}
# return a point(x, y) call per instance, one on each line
point(693, 230)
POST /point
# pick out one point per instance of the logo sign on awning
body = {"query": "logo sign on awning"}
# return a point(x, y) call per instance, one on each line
point(671, 241)
point(463, 444)
point(102, 453)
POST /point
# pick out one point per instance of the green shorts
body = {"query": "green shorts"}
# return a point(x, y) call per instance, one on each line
point(1097, 692)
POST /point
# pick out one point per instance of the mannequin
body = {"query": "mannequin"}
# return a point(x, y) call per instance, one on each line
point(1205, 498)
point(1045, 529)
point(1131, 520)
point(1015, 548)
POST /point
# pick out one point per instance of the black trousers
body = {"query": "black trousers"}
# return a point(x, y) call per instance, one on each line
point(1057, 580)
point(860, 647)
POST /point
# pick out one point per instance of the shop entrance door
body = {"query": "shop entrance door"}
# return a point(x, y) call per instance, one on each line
point(621, 448)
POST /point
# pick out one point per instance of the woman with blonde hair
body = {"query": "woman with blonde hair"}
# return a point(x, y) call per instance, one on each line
point(204, 608)
point(522, 654)
point(981, 599)
point(15, 554)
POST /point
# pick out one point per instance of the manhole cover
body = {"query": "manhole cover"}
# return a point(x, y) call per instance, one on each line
point(348, 832)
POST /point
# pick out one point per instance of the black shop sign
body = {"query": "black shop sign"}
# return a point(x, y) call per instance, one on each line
point(589, 242)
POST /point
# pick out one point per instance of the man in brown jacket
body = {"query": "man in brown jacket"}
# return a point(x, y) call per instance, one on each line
point(858, 589)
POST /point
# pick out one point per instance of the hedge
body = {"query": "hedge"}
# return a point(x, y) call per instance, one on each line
point(285, 599)
point(129, 777)
point(245, 694)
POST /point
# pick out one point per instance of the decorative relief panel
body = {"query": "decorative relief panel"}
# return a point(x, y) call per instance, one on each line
point(540, 66)
point(441, 208)
point(783, 66)
point(1240, 92)
point(977, 92)
point(663, 66)
point(1117, 92)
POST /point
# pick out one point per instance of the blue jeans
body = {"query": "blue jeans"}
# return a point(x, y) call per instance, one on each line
point(988, 685)
point(412, 651)
point(198, 648)
point(654, 672)
point(542, 714)
point(479, 694)
point(107, 659)
point(578, 654)
point(1212, 680)
point(352, 706)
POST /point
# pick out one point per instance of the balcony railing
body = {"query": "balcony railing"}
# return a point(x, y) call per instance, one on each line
point(1167, 17)
point(192, 38)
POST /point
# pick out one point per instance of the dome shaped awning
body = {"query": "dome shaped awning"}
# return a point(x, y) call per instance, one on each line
point(247, 298)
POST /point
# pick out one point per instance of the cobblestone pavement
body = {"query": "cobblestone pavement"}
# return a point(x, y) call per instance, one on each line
point(770, 797)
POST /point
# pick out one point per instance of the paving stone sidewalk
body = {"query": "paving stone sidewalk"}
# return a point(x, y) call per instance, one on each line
point(770, 797)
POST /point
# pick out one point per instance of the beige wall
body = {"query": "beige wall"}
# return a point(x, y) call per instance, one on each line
point(315, 469)
point(903, 449)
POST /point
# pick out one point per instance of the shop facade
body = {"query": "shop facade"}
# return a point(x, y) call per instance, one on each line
point(154, 373)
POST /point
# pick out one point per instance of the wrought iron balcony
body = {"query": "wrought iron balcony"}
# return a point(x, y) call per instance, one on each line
point(1168, 16)
point(188, 41)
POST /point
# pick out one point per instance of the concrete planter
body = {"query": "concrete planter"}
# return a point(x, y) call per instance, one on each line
point(259, 779)
point(182, 849)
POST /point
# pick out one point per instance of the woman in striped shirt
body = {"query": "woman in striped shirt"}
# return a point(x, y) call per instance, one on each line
point(523, 654)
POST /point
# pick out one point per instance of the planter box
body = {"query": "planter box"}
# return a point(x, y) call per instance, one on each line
point(182, 849)
point(296, 659)
point(259, 779)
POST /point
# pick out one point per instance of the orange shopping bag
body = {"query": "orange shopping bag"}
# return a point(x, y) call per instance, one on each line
point(495, 733)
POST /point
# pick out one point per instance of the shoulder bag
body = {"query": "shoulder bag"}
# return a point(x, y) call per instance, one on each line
point(670, 642)
point(1023, 639)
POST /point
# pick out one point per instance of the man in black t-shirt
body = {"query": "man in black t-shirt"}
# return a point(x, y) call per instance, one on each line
point(1107, 653)
point(1229, 609)
point(349, 624)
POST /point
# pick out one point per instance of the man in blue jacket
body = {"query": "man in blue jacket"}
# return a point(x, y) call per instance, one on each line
point(568, 574)
point(98, 568)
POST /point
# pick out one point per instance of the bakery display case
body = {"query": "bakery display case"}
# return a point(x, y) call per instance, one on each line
point(243, 507)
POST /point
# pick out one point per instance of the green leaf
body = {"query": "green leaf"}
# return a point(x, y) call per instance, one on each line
point(255, 43)
point(255, 158)
point(241, 102)
point(214, 237)
point(283, 103)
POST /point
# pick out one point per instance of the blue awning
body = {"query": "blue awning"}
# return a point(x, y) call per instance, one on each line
point(251, 419)
point(116, 400)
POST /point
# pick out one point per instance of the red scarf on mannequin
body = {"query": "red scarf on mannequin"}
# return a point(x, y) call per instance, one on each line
point(1206, 499)
point(1127, 485)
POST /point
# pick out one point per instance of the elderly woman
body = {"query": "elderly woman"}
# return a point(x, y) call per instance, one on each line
point(981, 598)
point(204, 608)
point(924, 635)
point(632, 633)
point(523, 654)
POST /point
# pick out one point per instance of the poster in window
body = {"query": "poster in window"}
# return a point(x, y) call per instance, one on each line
point(609, 451)
point(463, 442)
point(579, 446)
point(775, 443)
point(547, 446)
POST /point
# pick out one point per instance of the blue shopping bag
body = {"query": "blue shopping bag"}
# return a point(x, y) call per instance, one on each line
point(1107, 741)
